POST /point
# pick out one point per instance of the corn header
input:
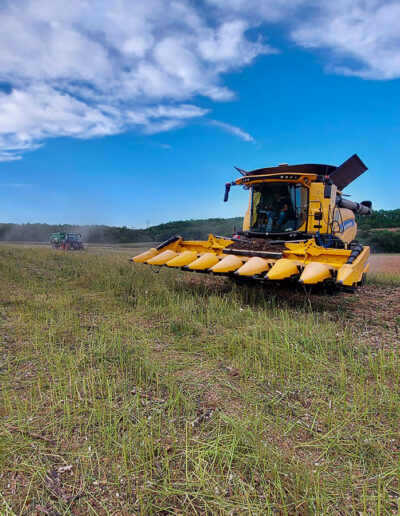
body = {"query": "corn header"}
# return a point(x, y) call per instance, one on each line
point(298, 227)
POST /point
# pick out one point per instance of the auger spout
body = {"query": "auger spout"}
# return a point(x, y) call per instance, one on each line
point(360, 208)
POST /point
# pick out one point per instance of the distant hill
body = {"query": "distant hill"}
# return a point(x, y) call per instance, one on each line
point(189, 229)
point(373, 231)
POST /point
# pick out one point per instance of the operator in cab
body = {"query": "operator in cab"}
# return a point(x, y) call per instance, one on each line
point(281, 210)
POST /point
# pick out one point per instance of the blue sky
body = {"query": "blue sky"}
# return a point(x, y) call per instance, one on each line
point(141, 122)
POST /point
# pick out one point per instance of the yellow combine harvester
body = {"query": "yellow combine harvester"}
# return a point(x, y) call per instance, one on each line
point(298, 227)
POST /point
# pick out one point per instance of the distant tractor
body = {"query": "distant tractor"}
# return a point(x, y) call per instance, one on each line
point(67, 241)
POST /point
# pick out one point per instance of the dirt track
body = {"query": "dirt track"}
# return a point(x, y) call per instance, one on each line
point(385, 263)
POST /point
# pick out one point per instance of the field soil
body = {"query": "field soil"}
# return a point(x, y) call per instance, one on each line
point(125, 392)
point(386, 229)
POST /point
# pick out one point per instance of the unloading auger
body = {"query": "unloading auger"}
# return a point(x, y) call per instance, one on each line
point(298, 227)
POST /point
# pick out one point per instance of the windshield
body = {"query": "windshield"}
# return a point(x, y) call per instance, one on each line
point(278, 207)
point(72, 236)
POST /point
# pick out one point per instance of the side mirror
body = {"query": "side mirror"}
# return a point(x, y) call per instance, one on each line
point(227, 190)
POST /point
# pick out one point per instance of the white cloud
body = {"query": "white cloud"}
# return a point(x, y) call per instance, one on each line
point(257, 11)
point(94, 68)
point(97, 67)
point(362, 35)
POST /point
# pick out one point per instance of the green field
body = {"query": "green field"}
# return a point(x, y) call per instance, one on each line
point(125, 392)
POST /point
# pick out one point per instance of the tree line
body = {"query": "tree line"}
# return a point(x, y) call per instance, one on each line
point(373, 231)
point(379, 219)
point(100, 234)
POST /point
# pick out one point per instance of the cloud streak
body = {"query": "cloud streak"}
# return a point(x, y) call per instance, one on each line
point(100, 67)
point(14, 185)
point(231, 129)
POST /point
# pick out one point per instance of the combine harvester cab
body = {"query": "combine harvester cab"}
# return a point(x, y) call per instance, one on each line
point(297, 228)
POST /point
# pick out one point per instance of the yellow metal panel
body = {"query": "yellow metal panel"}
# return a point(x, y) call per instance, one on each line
point(315, 272)
point(256, 202)
point(204, 262)
point(254, 266)
point(304, 179)
point(282, 269)
point(246, 220)
point(345, 223)
point(228, 264)
point(310, 252)
point(143, 257)
point(215, 244)
point(183, 259)
point(162, 258)
point(351, 273)
point(218, 242)
point(318, 204)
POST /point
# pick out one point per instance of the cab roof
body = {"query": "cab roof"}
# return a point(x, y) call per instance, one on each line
point(341, 176)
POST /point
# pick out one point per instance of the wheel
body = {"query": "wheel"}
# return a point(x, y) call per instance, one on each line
point(349, 290)
point(363, 280)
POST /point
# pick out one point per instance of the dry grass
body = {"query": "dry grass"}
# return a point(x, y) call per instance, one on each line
point(126, 392)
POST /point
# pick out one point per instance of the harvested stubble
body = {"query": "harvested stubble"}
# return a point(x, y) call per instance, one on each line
point(127, 392)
